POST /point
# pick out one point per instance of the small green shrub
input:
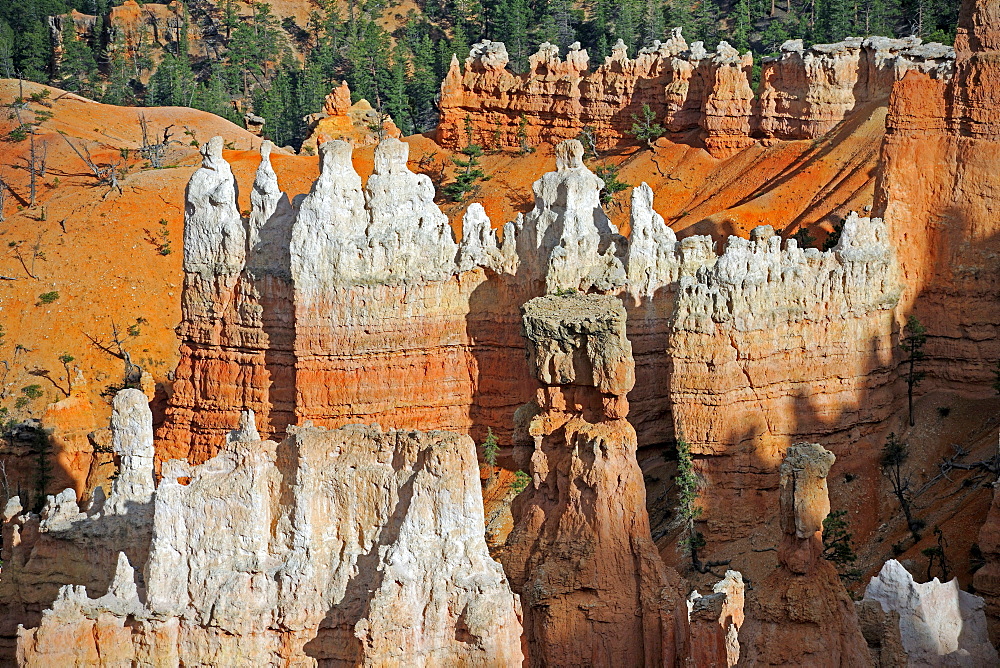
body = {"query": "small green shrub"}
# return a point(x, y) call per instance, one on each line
point(612, 184)
point(490, 447)
point(521, 480)
point(32, 391)
point(48, 297)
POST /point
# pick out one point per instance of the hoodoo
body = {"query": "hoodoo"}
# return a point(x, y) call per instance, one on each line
point(648, 349)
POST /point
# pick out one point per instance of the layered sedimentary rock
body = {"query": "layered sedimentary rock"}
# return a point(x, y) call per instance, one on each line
point(943, 220)
point(245, 564)
point(939, 624)
point(593, 588)
point(801, 614)
point(357, 123)
point(64, 545)
point(802, 94)
point(770, 344)
point(805, 92)
point(355, 303)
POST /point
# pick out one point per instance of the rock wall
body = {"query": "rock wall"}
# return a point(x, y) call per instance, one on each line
point(594, 589)
point(943, 219)
point(355, 304)
point(770, 344)
point(245, 564)
point(340, 119)
point(349, 306)
point(801, 614)
point(693, 94)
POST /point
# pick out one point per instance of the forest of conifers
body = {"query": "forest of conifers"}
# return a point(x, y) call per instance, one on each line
point(282, 70)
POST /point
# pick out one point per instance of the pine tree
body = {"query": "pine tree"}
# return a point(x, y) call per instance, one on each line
point(741, 26)
point(77, 66)
point(422, 86)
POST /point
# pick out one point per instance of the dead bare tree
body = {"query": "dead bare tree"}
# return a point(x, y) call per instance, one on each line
point(36, 254)
point(107, 175)
point(154, 152)
point(4, 481)
point(3, 197)
point(116, 348)
point(43, 166)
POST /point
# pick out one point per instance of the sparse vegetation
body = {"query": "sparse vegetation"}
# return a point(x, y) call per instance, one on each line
point(522, 136)
point(833, 238)
point(491, 446)
point(837, 546)
point(469, 173)
point(895, 454)
point(936, 556)
point(588, 137)
point(645, 128)
point(521, 482)
point(48, 297)
point(612, 184)
point(804, 238)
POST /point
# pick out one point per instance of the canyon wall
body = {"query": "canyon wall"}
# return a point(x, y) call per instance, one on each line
point(695, 95)
point(355, 304)
point(243, 563)
point(939, 191)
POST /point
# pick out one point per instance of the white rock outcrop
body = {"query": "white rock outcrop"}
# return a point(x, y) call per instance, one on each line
point(353, 545)
point(567, 240)
point(940, 625)
point(756, 284)
point(132, 440)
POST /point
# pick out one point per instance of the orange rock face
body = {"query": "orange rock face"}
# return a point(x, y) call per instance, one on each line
point(690, 92)
point(940, 191)
point(437, 352)
point(987, 579)
point(593, 589)
point(357, 123)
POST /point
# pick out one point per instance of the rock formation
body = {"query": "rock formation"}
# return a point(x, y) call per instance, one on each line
point(805, 92)
point(943, 220)
point(987, 579)
point(593, 588)
point(939, 624)
point(802, 95)
point(567, 240)
point(715, 621)
point(881, 631)
point(801, 614)
point(245, 562)
point(376, 314)
point(62, 545)
point(357, 123)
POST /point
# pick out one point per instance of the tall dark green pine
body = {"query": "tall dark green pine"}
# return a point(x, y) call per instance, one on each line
point(77, 67)
point(654, 26)
point(423, 86)
point(740, 37)
point(834, 19)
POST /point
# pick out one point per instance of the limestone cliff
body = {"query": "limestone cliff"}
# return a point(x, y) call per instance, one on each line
point(351, 547)
point(594, 590)
point(943, 220)
point(691, 92)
